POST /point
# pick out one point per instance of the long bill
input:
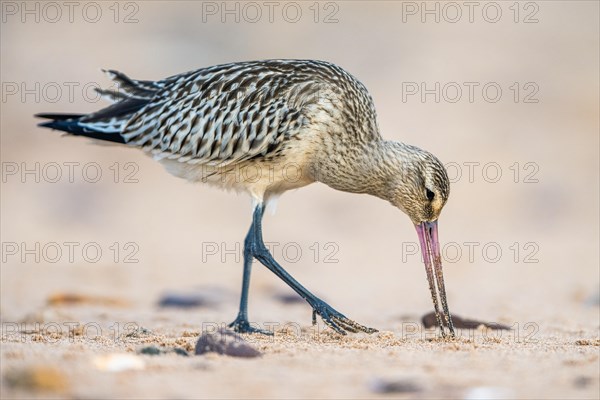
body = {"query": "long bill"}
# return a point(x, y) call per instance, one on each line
point(430, 249)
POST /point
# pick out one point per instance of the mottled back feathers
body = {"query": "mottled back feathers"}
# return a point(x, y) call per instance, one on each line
point(233, 112)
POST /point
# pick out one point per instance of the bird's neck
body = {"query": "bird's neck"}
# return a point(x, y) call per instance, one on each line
point(370, 168)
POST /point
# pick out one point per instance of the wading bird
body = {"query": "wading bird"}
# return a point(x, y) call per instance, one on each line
point(242, 125)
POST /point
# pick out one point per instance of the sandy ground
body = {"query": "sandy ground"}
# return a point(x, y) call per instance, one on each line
point(552, 358)
point(521, 249)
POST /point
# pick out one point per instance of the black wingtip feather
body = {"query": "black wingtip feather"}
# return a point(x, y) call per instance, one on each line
point(73, 127)
point(58, 116)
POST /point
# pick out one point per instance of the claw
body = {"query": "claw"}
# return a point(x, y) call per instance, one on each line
point(337, 321)
point(343, 322)
point(330, 322)
point(358, 327)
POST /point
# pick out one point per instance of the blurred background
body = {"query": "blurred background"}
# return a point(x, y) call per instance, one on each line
point(505, 94)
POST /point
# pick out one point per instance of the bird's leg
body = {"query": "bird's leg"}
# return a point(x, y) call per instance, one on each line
point(241, 323)
point(330, 316)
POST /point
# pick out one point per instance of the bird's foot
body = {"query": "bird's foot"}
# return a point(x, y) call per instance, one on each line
point(336, 320)
point(241, 325)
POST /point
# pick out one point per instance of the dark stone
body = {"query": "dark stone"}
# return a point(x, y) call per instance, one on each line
point(227, 343)
point(396, 386)
point(180, 351)
point(429, 321)
point(155, 351)
point(289, 298)
point(182, 301)
point(594, 299)
point(201, 297)
point(150, 350)
point(582, 382)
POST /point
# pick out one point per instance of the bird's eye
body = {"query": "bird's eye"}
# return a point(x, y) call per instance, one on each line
point(430, 194)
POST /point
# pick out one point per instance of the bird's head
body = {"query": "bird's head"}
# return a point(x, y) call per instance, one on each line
point(420, 187)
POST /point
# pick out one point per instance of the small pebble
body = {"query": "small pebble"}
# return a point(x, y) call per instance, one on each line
point(150, 350)
point(155, 351)
point(394, 386)
point(488, 393)
point(180, 351)
point(204, 297)
point(594, 299)
point(182, 301)
point(581, 382)
point(71, 299)
point(39, 378)
point(429, 321)
point(119, 362)
point(225, 342)
point(289, 298)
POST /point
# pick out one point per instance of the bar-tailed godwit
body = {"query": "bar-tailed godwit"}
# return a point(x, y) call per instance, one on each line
point(244, 125)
